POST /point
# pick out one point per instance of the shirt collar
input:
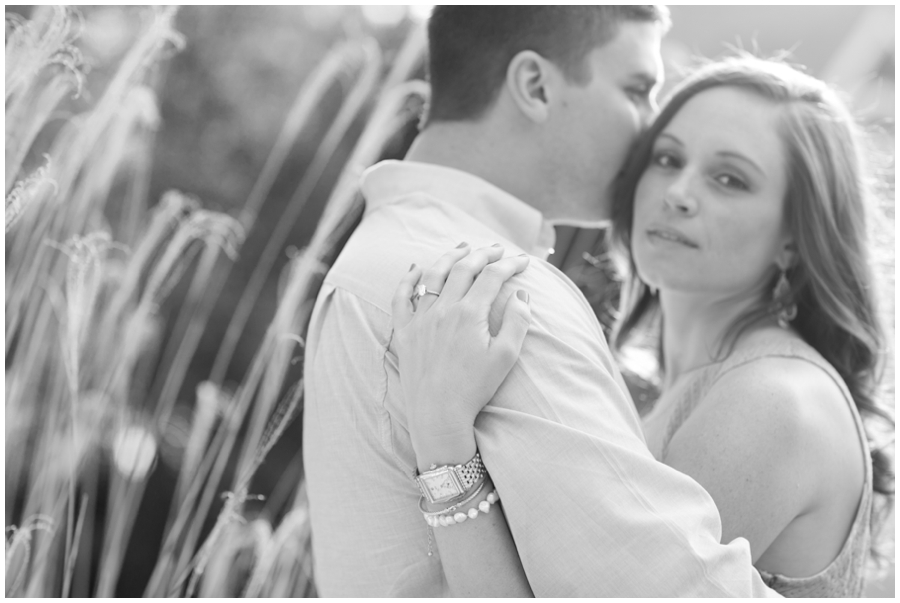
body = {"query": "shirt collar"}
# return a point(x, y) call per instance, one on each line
point(511, 217)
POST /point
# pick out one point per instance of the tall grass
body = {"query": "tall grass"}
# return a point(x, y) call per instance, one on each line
point(94, 367)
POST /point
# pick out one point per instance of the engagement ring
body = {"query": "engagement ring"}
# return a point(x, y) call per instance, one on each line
point(421, 291)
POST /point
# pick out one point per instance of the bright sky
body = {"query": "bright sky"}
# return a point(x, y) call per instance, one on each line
point(387, 15)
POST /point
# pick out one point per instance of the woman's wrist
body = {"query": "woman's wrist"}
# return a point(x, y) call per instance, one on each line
point(441, 434)
point(439, 449)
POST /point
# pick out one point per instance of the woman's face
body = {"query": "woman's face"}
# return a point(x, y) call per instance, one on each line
point(709, 208)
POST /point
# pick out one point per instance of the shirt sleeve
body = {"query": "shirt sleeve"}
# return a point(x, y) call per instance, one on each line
point(369, 538)
point(591, 511)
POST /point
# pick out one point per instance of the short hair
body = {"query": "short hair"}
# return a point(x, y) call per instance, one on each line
point(470, 47)
point(827, 203)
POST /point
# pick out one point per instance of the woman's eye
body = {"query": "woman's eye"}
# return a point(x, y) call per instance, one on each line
point(666, 160)
point(731, 181)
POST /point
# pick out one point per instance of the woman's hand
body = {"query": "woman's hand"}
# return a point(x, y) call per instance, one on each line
point(450, 364)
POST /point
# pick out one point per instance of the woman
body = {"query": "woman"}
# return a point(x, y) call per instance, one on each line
point(746, 247)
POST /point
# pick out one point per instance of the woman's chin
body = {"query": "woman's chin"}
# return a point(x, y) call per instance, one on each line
point(653, 278)
point(671, 284)
point(660, 274)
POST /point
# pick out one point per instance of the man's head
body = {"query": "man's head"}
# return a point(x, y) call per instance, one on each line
point(563, 90)
point(470, 47)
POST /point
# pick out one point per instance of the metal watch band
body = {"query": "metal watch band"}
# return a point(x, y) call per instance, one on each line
point(471, 472)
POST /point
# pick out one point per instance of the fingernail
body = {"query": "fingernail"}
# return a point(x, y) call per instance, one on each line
point(461, 245)
point(496, 245)
point(523, 295)
point(411, 268)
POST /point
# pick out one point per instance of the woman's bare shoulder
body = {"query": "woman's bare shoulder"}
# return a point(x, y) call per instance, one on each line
point(774, 440)
point(759, 408)
point(748, 442)
point(784, 417)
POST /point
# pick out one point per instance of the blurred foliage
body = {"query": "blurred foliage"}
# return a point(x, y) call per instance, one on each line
point(226, 94)
point(136, 468)
point(223, 104)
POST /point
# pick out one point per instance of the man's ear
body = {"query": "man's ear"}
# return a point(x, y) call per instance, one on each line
point(527, 78)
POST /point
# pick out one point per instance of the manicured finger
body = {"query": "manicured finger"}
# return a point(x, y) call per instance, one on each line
point(511, 336)
point(487, 285)
point(434, 277)
point(464, 272)
point(402, 308)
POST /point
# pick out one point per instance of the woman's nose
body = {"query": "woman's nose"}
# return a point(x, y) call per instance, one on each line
point(679, 196)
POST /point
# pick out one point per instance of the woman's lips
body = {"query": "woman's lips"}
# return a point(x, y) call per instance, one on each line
point(671, 235)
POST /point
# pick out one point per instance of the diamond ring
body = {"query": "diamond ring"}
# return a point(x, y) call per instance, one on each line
point(421, 291)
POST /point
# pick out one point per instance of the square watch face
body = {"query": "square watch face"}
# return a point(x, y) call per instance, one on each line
point(441, 485)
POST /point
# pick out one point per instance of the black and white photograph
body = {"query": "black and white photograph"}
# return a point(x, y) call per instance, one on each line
point(450, 301)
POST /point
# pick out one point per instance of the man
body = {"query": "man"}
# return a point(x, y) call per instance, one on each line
point(532, 113)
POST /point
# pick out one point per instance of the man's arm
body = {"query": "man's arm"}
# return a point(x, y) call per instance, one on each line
point(368, 537)
point(591, 511)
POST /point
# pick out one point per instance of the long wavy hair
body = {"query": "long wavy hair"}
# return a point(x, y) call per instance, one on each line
point(827, 202)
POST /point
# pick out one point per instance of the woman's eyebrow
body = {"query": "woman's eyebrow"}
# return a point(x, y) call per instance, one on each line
point(742, 157)
point(671, 137)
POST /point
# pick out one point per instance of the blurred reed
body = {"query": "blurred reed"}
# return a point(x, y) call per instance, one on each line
point(94, 367)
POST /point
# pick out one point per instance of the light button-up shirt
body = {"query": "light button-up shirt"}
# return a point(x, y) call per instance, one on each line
point(592, 513)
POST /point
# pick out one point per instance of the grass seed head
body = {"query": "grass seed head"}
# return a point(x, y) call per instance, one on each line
point(84, 277)
point(26, 191)
point(45, 40)
point(18, 550)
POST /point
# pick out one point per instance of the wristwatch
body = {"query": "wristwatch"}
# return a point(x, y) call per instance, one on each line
point(440, 484)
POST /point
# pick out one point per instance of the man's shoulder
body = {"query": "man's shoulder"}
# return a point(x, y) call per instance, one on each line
point(552, 290)
point(393, 237)
point(380, 252)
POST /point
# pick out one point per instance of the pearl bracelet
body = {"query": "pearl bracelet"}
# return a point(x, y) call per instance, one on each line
point(448, 518)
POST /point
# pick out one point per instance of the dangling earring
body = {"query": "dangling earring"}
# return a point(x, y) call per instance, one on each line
point(784, 311)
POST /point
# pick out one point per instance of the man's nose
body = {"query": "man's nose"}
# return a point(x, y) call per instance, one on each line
point(648, 113)
point(679, 196)
point(646, 117)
